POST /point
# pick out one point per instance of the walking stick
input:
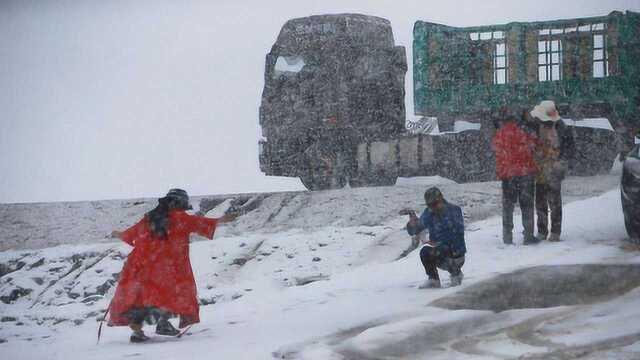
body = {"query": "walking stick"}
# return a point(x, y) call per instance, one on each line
point(102, 322)
point(184, 331)
point(112, 236)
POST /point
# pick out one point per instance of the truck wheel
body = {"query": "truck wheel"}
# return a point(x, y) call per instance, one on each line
point(322, 168)
point(385, 180)
point(315, 183)
point(377, 180)
point(323, 177)
point(357, 182)
point(312, 184)
point(631, 230)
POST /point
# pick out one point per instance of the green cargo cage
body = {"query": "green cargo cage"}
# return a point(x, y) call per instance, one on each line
point(588, 66)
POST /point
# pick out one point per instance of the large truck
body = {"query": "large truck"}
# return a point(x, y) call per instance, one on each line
point(332, 108)
point(331, 82)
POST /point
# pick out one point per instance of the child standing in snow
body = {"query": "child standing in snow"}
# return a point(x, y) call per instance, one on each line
point(446, 247)
point(157, 276)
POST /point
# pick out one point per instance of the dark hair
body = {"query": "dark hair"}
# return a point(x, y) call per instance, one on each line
point(505, 114)
point(523, 115)
point(159, 216)
point(432, 194)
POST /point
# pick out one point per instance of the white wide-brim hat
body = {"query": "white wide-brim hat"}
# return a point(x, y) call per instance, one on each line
point(546, 111)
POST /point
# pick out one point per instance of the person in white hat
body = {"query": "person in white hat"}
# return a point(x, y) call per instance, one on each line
point(554, 154)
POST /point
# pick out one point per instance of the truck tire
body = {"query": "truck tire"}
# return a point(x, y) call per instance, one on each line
point(377, 180)
point(385, 180)
point(630, 213)
point(323, 168)
point(631, 231)
point(314, 182)
point(322, 175)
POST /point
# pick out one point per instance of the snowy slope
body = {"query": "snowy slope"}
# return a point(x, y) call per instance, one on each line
point(359, 301)
point(33, 226)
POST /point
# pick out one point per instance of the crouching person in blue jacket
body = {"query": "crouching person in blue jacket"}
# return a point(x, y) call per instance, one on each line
point(445, 247)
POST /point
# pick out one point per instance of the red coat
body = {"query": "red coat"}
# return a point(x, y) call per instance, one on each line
point(514, 152)
point(158, 272)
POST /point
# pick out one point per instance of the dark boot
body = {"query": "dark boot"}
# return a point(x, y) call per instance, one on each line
point(530, 240)
point(430, 284)
point(509, 198)
point(554, 237)
point(165, 327)
point(138, 337)
point(456, 280)
point(507, 238)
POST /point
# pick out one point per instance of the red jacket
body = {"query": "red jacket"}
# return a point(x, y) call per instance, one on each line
point(514, 152)
point(158, 272)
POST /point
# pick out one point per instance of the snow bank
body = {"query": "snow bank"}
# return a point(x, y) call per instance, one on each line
point(596, 123)
point(33, 226)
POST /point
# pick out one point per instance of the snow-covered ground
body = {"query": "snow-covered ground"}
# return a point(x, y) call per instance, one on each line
point(40, 225)
point(310, 287)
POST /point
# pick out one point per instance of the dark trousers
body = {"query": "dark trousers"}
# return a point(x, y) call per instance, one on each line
point(518, 189)
point(433, 258)
point(138, 315)
point(549, 199)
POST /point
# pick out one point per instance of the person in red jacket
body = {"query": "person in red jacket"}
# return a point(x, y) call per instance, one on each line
point(516, 167)
point(157, 278)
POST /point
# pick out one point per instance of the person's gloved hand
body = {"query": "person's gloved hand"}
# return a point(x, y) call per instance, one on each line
point(560, 166)
point(228, 217)
point(558, 171)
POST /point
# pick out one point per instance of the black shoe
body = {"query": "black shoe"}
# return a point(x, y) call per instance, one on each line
point(456, 280)
point(531, 240)
point(138, 337)
point(430, 284)
point(507, 237)
point(164, 327)
point(554, 237)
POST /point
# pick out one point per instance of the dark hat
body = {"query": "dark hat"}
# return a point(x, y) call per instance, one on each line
point(504, 114)
point(432, 194)
point(180, 197)
point(509, 113)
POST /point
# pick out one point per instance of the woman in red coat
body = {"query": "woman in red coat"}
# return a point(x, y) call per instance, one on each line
point(516, 167)
point(157, 278)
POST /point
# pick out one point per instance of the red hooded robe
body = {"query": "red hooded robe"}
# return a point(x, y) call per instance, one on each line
point(158, 272)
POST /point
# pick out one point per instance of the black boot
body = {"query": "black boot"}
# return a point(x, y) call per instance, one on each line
point(507, 237)
point(138, 337)
point(530, 240)
point(165, 327)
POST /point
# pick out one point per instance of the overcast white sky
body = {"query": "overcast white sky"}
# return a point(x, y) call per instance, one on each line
point(115, 99)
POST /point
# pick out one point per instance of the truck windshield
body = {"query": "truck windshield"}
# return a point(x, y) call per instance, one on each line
point(288, 65)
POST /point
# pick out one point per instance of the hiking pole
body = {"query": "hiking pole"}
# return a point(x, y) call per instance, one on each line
point(102, 322)
point(111, 236)
point(184, 331)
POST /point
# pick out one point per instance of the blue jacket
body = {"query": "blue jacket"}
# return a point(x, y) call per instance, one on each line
point(447, 230)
